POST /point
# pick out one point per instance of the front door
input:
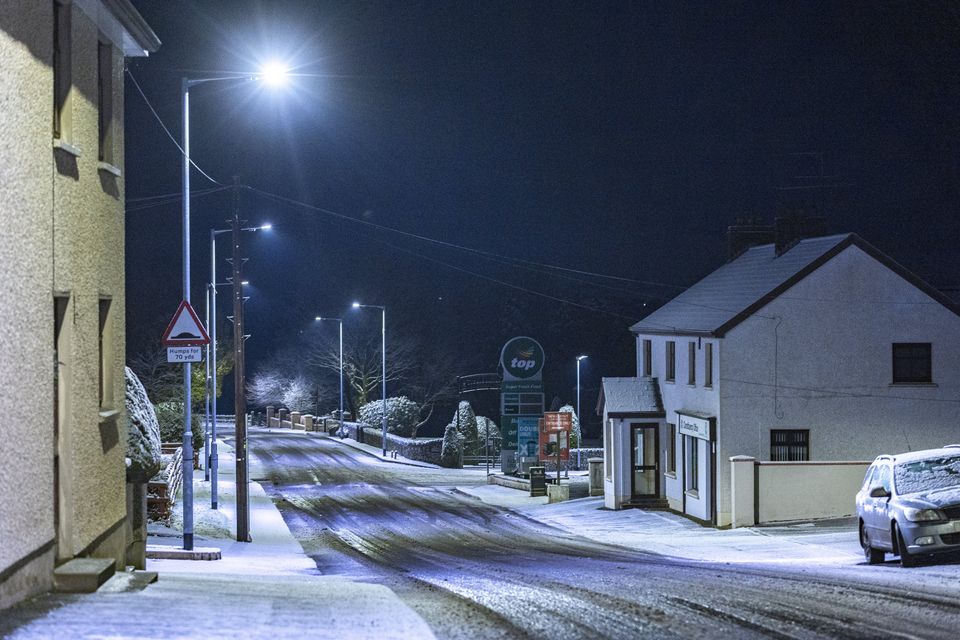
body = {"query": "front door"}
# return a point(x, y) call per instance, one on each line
point(645, 476)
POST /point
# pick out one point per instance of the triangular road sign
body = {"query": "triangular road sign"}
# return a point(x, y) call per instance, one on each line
point(185, 329)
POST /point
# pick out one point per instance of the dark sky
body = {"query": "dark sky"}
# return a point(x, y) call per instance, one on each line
point(613, 137)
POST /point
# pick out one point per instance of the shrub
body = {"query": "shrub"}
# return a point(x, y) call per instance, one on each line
point(402, 415)
point(170, 417)
point(452, 447)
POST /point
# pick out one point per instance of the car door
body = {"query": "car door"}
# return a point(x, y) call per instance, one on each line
point(880, 527)
point(868, 505)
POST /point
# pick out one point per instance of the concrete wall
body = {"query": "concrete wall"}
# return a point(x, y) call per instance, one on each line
point(62, 235)
point(780, 491)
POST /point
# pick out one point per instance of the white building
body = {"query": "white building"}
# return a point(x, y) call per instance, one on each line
point(825, 350)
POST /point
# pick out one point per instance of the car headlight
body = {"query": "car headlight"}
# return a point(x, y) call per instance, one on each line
point(922, 515)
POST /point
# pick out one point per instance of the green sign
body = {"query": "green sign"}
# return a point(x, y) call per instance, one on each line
point(522, 359)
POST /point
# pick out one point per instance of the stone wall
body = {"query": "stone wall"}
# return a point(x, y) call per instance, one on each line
point(422, 449)
point(571, 464)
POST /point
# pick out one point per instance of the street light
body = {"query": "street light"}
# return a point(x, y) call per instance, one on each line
point(580, 438)
point(383, 349)
point(212, 356)
point(269, 75)
point(340, 322)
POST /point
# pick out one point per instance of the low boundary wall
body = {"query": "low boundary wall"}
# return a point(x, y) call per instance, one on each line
point(766, 492)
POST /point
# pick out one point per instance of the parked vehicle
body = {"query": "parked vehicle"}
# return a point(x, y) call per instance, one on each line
point(909, 505)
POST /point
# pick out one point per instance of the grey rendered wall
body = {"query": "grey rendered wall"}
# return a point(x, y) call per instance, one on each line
point(819, 358)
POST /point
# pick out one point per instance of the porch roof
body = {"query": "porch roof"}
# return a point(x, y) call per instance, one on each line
point(630, 397)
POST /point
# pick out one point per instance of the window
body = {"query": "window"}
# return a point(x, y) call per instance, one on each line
point(62, 72)
point(789, 445)
point(691, 363)
point(708, 364)
point(912, 363)
point(692, 463)
point(647, 358)
point(105, 98)
point(671, 364)
point(105, 344)
point(885, 478)
point(672, 448)
point(607, 444)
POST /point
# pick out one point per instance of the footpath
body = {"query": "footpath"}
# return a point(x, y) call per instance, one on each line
point(264, 588)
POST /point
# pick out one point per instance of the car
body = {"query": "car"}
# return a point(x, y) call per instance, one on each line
point(909, 505)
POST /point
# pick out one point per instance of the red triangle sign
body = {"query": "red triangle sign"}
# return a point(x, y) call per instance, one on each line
point(185, 330)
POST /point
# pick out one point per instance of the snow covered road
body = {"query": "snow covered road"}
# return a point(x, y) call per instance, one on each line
point(475, 570)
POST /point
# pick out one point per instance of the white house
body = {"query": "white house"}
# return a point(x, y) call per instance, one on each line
point(826, 350)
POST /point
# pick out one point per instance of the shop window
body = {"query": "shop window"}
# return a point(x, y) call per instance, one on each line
point(671, 361)
point(647, 358)
point(912, 363)
point(62, 72)
point(672, 448)
point(692, 363)
point(789, 445)
point(708, 364)
point(692, 464)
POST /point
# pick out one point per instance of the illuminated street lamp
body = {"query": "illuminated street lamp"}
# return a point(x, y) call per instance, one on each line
point(340, 322)
point(579, 419)
point(270, 74)
point(383, 349)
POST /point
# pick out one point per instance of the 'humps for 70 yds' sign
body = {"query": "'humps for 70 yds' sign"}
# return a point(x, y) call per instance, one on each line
point(184, 354)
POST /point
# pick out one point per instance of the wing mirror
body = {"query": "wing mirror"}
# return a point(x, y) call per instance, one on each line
point(879, 492)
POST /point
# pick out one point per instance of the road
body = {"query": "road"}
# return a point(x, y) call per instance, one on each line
point(475, 571)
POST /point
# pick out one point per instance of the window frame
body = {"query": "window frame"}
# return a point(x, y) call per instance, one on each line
point(62, 71)
point(670, 361)
point(647, 357)
point(898, 359)
point(105, 354)
point(791, 441)
point(672, 449)
point(692, 363)
point(607, 445)
point(708, 364)
point(692, 465)
point(105, 103)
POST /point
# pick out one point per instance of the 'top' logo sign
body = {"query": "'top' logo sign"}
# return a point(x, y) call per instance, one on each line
point(522, 358)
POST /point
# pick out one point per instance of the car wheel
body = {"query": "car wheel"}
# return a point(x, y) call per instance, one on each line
point(907, 559)
point(873, 556)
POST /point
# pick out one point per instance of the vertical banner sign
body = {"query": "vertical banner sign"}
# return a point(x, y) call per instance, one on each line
point(521, 396)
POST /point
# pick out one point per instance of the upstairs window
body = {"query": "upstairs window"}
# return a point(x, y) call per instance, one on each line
point(692, 363)
point(912, 363)
point(671, 361)
point(708, 364)
point(105, 100)
point(62, 71)
point(647, 358)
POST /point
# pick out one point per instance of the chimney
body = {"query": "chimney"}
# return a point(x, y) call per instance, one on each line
point(790, 229)
point(746, 233)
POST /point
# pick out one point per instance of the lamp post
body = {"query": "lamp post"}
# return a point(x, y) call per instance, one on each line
point(339, 322)
point(579, 443)
point(272, 74)
point(212, 355)
point(383, 349)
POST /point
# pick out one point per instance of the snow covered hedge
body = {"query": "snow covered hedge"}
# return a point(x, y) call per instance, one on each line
point(452, 447)
point(575, 434)
point(402, 415)
point(143, 431)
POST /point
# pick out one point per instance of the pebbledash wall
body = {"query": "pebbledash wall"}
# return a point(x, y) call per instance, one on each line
point(62, 470)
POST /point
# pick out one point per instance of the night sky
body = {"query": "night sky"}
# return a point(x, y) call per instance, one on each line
point(618, 138)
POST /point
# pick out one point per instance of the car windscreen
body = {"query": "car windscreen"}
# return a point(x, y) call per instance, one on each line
point(927, 475)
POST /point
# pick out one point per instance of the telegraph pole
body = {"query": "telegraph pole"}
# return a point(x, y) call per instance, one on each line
point(239, 397)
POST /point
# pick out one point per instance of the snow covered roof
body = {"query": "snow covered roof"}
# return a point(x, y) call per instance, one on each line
point(739, 288)
point(631, 397)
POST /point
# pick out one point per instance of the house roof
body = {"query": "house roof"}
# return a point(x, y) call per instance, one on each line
point(741, 287)
point(122, 24)
point(630, 397)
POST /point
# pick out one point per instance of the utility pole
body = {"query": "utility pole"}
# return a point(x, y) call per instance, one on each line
point(239, 397)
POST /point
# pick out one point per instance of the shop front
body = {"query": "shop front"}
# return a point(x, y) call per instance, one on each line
point(696, 472)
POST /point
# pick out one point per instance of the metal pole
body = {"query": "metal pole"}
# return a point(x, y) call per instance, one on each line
point(340, 430)
point(579, 443)
point(383, 327)
point(239, 399)
point(214, 461)
point(206, 387)
point(187, 371)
